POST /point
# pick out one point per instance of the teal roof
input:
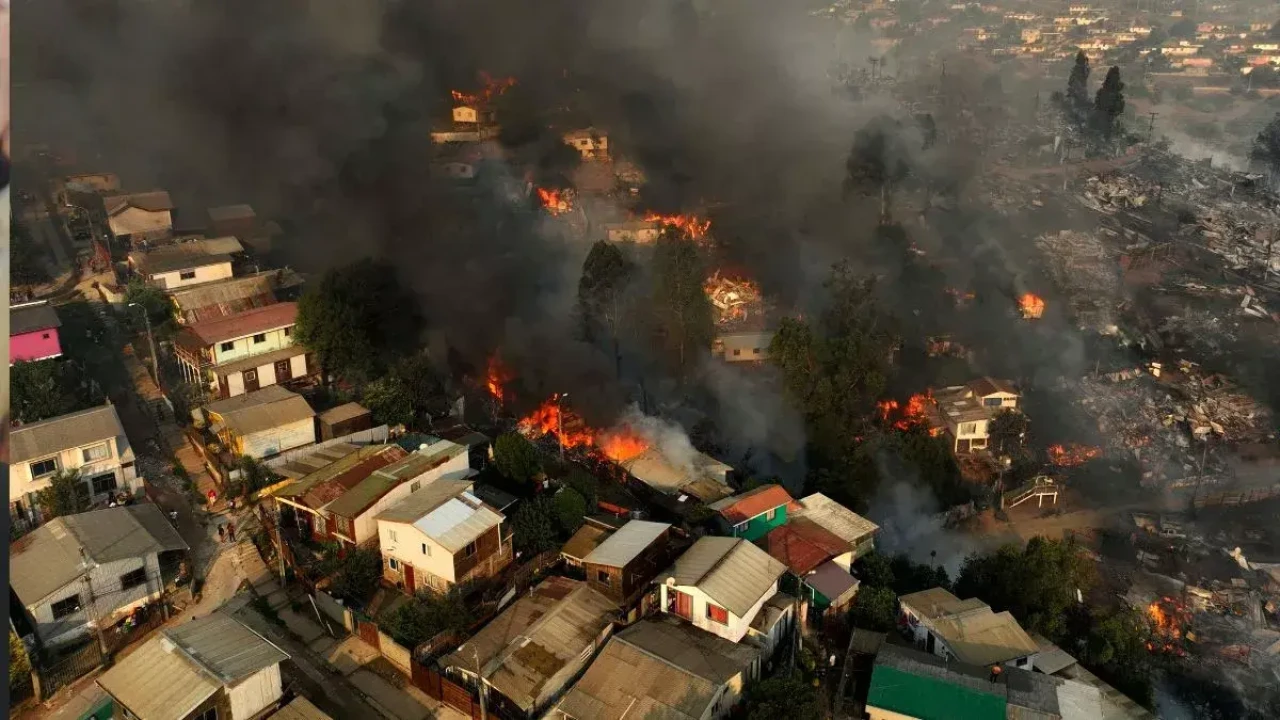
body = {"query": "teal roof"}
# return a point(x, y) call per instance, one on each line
point(930, 698)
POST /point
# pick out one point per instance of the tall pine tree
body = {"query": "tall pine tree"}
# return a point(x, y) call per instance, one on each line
point(1108, 104)
point(1078, 88)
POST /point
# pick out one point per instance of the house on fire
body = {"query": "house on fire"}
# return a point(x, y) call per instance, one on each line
point(91, 442)
point(139, 218)
point(313, 497)
point(720, 584)
point(534, 649)
point(80, 572)
point(752, 514)
point(210, 668)
point(705, 478)
point(33, 332)
point(442, 535)
point(262, 423)
point(944, 625)
point(637, 231)
point(661, 668)
point(966, 411)
point(170, 267)
point(241, 353)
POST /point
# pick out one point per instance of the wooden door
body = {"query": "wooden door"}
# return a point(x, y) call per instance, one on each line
point(250, 380)
point(408, 578)
point(283, 371)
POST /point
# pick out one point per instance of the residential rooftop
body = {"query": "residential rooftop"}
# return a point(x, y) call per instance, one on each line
point(48, 437)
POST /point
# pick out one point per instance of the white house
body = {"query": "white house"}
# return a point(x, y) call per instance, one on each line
point(262, 423)
point(211, 668)
point(662, 668)
point(91, 442)
point(353, 514)
point(720, 584)
point(742, 346)
point(966, 411)
point(440, 535)
point(171, 267)
point(944, 625)
point(590, 143)
point(89, 570)
point(140, 218)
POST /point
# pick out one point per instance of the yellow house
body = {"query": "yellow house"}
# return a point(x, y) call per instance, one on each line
point(263, 423)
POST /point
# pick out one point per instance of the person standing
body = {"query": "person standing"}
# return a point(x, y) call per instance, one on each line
point(231, 532)
point(222, 533)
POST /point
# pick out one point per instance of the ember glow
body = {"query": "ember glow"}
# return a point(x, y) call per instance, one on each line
point(692, 226)
point(492, 88)
point(913, 415)
point(1072, 455)
point(556, 202)
point(1032, 306)
point(1168, 619)
point(496, 377)
point(734, 298)
point(552, 419)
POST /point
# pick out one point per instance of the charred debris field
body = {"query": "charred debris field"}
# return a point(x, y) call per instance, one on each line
point(746, 242)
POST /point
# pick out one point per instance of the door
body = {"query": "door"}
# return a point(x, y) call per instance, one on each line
point(408, 578)
point(250, 380)
point(683, 604)
point(282, 371)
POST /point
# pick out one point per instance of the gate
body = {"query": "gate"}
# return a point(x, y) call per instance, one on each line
point(368, 632)
point(455, 696)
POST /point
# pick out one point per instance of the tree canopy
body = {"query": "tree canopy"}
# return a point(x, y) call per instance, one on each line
point(606, 274)
point(358, 320)
point(157, 306)
point(571, 509)
point(66, 495)
point(1109, 103)
point(783, 696)
point(516, 458)
point(45, 389)
point(534, 526)
point(1077, 97)
point(683, 322)
point(878, 160)
point(427, 615)
point(357, 576)
point(1037, 583)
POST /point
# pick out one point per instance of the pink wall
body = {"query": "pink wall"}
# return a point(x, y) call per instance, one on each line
point(33, 345)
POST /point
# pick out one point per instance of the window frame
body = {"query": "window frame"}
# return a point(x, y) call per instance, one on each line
point(31, 468)
point(992, 402)
point(186, 274)
point(250, 375)
point(968, 428)
point(470, 549)
point(603, 577)
point(227, 346)
point(711, 614)
point(259, 338)
point(106, 449)
point(93, 483)
point(79, 607)
point(426, 550)
point(131, 575)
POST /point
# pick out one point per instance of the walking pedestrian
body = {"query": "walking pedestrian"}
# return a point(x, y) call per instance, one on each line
point(222, 533)
point(231, 532)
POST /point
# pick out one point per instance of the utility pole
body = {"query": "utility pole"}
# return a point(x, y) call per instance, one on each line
point(90, 609)
point(484, 715)
point(151, 341)
point(1151, 126)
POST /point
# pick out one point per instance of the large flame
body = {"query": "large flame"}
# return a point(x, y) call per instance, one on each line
point(556, 202)
point(1072, 455)
point(492, 88)
point(551, 418)
point(914, 415)
point(496, 377)
point(692, 226)
point(1168, 618)
point(1032, 306)
point(734, 298)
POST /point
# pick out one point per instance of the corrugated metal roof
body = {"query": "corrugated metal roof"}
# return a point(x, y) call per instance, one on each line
point(627, 543)
point(182, 256)
point(937, 602)
point(30, 317)
point(981, 637)
point(1051, 659)
point(704, 478)
point(175, 672)
point(357, 488)
point(732, 571)
point(525, 646)
point(256, 361)
point(224, 647)
point(657, 669)
point(757, 501)
point(341, 413)
point(443, 512)
point(803, 545)
point(77, 429)
point(300, 708)
point(244, 324)
point(48, 558)
point(222, 298)
point(584, 541)
point(836, 518)
point(833, 581)
point(265, 409)
point(300, 467)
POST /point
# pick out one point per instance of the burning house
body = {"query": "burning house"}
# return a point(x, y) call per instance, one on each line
point(742, 316)
point(591, 143)
point(473, 118)
point(966, 411)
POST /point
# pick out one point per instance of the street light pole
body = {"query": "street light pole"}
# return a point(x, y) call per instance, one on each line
point(151, 341)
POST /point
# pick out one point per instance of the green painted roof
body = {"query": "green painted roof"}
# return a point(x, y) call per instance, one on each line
point(930, 698)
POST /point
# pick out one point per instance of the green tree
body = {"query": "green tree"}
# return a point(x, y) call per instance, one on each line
point(253, 477)
point(389, 400)
point(875, 608)
point(571, 509)
point(358, 320)
point(1266, 147)
point(357, 576)
point(1077, 97)
point(534, 526)
point(587, 485)
point(877, 162)
point(153, 301)
point(516, 458)
point(410, 390)
point(1116, 648)
point(26, 261)
point(1108, 104)
point(46, 389)
point(426, 616)
point(606, 274)
point(1037, 583)
point(784, 696)
point(66, 495)
point(19, 662)
point(683, 325)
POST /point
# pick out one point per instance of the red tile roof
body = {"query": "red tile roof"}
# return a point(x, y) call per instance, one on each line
point(741, 508)
point(802, 545)
point(249, 322)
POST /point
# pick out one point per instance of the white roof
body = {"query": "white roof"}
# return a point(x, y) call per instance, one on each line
point(627, 543)
point(835, 518)
point(457, 522)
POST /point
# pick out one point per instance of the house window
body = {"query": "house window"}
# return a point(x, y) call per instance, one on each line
point(993, 402)
point(426, 550)
point(97, 452)
point(210, 714)
point(320, 528)
point(187, 275)
point(717, 614)
point(40, 468)
point(104, 483)
point(469, 550)
point(250, 375)
point(755, 351)
point(391, 534)
point(737, 351)
point(603, 577)
point(413, 487)
point(288, 331)
point(968, 428)
point(133, 578)
point(391, 563)
point(228, 346)
point(66, 607)
point(259, 338)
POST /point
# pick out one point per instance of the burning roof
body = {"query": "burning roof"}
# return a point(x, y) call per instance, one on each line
point(493, 87)
point(737, 300)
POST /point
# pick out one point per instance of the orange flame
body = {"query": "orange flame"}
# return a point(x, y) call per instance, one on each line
point(692, 226)
point(733, 297)
point(556, 202)
point(1072, 455)
point(496, 376)
point(1032, 306)
point(550, 418)
point(914, 415)
point(1168, 618)
point(492, 88)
